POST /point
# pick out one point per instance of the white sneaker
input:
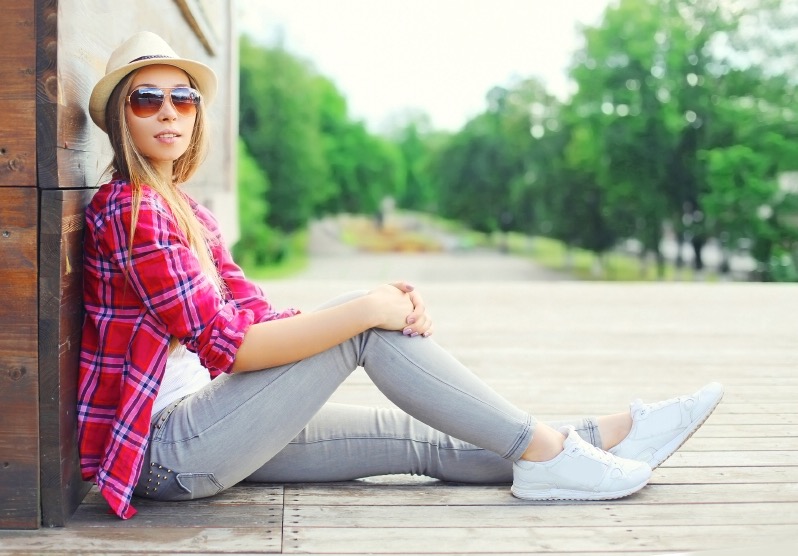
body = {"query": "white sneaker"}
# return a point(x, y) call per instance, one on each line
point(659, 429)
point(580, 472)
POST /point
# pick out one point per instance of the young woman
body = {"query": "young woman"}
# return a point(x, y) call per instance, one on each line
point(191, 382)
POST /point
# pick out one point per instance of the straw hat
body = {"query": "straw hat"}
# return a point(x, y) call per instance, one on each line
point(145, 49)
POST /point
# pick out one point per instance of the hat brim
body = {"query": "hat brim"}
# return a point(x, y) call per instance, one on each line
point(202, 74)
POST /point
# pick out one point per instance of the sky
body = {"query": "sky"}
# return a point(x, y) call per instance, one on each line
point(438, 56)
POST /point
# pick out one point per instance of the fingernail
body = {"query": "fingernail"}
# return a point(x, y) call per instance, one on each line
point(407, 331)
point(411, 320)
point(426, 334)
point(414, 334)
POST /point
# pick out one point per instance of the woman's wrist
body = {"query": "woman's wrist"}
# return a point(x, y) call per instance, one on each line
point(369, 311)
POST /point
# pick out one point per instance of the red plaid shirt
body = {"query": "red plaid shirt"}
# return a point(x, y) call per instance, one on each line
point(136, 297)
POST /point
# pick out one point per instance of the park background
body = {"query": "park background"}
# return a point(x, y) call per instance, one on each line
point(667, 149)
point(565, 347)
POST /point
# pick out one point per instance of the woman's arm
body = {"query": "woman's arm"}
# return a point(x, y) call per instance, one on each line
point(277, 342)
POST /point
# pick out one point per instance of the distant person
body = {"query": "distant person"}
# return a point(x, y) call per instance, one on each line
point(191, 381)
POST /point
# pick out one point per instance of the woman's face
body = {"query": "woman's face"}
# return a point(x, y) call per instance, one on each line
point(165, 135)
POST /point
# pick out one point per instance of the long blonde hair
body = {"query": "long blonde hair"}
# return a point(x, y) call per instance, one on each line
point(138, 170)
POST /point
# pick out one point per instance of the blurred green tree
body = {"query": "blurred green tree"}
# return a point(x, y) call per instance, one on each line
point(417, 143)
point(679, 103)
point(475, 168)
point(651, 80)
point(279, 123)
point(258, 244)
point(362, 168)
point(296, 125)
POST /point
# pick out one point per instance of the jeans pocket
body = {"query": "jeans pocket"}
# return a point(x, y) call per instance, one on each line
point(158, 482)
point(157, 428)
point(198, 485)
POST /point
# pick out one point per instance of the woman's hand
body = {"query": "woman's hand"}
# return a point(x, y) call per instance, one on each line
point(400, 307)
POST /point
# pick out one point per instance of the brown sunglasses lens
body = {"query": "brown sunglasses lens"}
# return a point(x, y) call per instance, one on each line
point(147, 101)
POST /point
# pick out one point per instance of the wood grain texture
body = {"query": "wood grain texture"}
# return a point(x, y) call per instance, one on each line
point(152, 540)
point(18, 143)
point(19, 386)
point(69, 146)
point(441, 494)
point(18, 55)
point(17, 105)
point(524, 539)
point(733, 485)
point(19, 451)
point(60, 320)
point(554, 515)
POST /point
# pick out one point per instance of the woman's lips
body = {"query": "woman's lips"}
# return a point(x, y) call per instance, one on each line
point(167, 137)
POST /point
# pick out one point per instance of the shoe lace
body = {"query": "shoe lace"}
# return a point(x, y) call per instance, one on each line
point(643, 409)
point(595, 452)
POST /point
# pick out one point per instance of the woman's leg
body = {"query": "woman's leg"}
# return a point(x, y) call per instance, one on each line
point(223, 433)
point(345, 442)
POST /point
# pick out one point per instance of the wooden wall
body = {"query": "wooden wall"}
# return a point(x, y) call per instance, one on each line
point(19, 386)
point(51, 158)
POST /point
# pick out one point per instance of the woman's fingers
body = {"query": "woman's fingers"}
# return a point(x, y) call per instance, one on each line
point(423, 327)
point(403, 286)
point(419, 308)
point(419, 321)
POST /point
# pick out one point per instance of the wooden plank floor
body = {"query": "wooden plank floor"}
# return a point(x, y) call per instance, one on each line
point(560, 349)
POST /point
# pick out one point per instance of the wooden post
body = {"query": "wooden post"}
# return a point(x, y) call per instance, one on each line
point(60, 319)
point(63, 153)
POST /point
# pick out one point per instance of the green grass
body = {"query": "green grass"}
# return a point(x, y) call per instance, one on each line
point(617, 266)
point(553, 254)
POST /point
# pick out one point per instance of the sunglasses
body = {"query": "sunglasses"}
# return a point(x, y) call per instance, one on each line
point(147, 101)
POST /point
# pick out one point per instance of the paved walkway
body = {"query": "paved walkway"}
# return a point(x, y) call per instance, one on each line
point(332, 260)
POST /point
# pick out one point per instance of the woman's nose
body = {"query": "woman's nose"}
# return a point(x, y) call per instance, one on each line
point(168, 111)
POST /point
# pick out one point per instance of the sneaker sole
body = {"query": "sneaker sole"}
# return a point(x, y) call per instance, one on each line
point(670, 448)
point(563, 494)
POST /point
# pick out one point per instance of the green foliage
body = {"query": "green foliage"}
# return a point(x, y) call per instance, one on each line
point(293, 259)
point(741, 187)
point(258, 244)
point(661, 85)
point(684, 116)
point(362, 168)
point(297, 127)
point(279, 122)
point(416, 144)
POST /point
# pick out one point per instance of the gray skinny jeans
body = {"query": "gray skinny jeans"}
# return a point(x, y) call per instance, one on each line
point(276, 426)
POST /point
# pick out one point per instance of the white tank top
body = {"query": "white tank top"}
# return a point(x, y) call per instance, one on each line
point(184, 375)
